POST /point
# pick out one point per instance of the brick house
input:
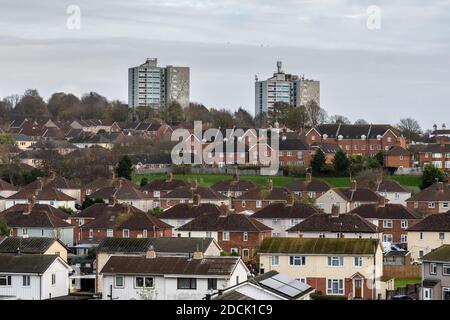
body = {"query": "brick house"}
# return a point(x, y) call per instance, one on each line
point(186, 195)
point(123, 221)
point(398, 157)
point(158, 188)
point(281, 216)
point(293, 152)
point(392, 220)
point(437, 154)
point(235, 187)
point(258, 198)
point(335, 267)
point(308, 187)
point(436, 274)
point(357, 139)
point(434, 199)
point(235, 233)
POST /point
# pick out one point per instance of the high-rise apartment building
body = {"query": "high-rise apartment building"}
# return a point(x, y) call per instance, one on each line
point(156, 87)
point(283, 87)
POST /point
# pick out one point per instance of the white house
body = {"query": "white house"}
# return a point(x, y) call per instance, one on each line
point(169, 278)
point(47, 195)
point(33, 277)
point(393, 192)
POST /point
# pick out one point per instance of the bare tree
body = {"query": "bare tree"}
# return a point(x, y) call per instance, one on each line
point(410, 128)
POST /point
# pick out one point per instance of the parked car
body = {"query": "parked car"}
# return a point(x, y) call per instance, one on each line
point(402, 297)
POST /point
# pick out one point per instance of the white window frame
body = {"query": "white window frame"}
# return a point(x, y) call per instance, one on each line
point(340, 285)
point(441, 235)
point(144, 282)
point(332, 259)
point(245, 236)
point(404, 224)
point(433, 266)
point(387, 223)
point(127, 232)
point(8, 281)
point(225, 236)
point(115, 282)
point(275, 260)
point(293, 259)
point(26, 281)
point(258, 204)
point(53, 279)
point(358, 262)
point(109, 233)
point(444, 267)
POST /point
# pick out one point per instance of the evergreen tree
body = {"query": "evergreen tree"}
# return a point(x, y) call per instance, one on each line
point(341, 162)
point(318, 162)
point(124, 168)
point(430, 175)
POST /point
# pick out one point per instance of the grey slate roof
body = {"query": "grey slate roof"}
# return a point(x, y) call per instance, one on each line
point(25, 263)
point(27, 245)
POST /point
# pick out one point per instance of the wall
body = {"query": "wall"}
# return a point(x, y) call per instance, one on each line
point(429, 242)
point(402, 272)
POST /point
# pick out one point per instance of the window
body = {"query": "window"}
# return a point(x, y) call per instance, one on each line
point(297, 260)
point(53, 279)
point(397, 195)
point(387, 237)
point(245, 236)
point(335, 286)
point(208, 234)
point(225, 236)
point(212, 284)
point(275, 260)
point(5, 280)
point(431, 205)
point(441, 235)
point(91, 233)
point(416, 204)
point(446, 269)
point(187, 283)
point(275, 221)
point(426, 293)
point(109, 233)
point(119, 281)
point(25, 281)
point(243, 204)
point(433, 268)
point(387, 224)
point(144, 233)
point(258, 203)
point(445, 205)
point(421, 236)
point(156, 193)
point(403, 238)
point(335, 261)
point(420, 253)
point(358, 261)
point(245, 253)
point(126, 233)
point(295, 221)
point(404, 224)
point(143, 282)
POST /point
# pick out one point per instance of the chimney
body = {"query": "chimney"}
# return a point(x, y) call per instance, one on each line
point(127, 208)
point(270, 184)
point(308, 177)
point(435, 127)
point(52, 175)
point(224, 208)
point(290, 199)
point(382, 201)
point(169, 176)
point(151, 253)
point(196, 199)
point(440, 186)
point(354, 185)
point(40, 184)
point(198, 255)
point(335, 211)
point(118, 183)
point(194, 184)
point(112, 200)
point(236, 177)
point(444, 127)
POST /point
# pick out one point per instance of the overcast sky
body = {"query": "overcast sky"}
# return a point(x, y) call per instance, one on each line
point(381, 75)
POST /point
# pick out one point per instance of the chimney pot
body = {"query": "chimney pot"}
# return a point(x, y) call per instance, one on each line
point(335, 210)
point(382, 201)
point(112, 201)
point(290, 199)
point(198, 255)
point(236, 177)
point(354, 185)
point(169, 176)
point(194, 184)
point(269, 184)
point(196, 199)
point(308, 177)
point(151, 253)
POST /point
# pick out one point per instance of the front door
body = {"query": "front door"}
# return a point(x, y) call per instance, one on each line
point(357, 288)
point(426, 293)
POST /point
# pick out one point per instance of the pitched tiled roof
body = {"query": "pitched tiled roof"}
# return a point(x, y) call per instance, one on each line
point(391, 186)
point(286, 211)
point(388, 211)
point(25, 263)
point(234, 185)
point(230, 222)
point(100, 209)
point(322, 222)
point(124, 191)
point(358, 195)
point(189, 210)
point(319, 246)
point(211, 266)
point(292, 145)
point(305, 185)
point(99, 183)
point(398, 151)
point(47, 193)
point(63, 183)
point(132, 219)
point(160, 245)
point(188, 193)
point(41, 216)
point(5, 186)
point(164, 185)
point(439, 191)
point(277, 193)
point(26, 245)
point(435, 223)
point(353, 131)
point(441, 254)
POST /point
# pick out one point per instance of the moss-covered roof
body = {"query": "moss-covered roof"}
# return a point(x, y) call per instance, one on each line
point(319, 246)
point(440, 254)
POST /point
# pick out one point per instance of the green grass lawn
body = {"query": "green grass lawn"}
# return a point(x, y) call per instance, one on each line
point(400, 283)
point(208, 180)
point(410, 182)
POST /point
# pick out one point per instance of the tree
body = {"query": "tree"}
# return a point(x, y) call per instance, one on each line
point(318, 162)
point(278, 113)
point(221, 118)
point(144, 182)
point(89, 202)
point(174, 114)
point(94, 106)
point(297, 118)
point(4, 229)
point(369, 178)
point(338, 119)
point(410, 128)
point(196, 112)
point(7, 139)
point(380, 158)
point(361, 122)
point(243, 119)
point(31, 104)
point(341, 162)
point(124, 168)
point(155, 211)
point(64, 106)
point(316, 114)
point(430, 175)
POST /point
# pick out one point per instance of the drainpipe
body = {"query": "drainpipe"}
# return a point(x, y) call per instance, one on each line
point(374, 272)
